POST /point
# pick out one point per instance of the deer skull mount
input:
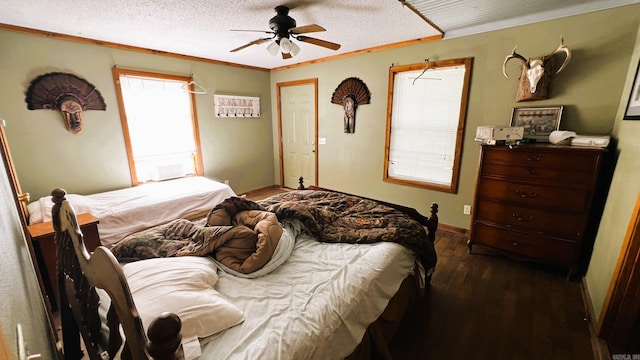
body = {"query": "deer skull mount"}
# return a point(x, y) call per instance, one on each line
point(537, 73)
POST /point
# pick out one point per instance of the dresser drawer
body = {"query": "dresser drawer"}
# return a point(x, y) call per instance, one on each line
point(580, 160)
point(557, 198)
point(534, 172)
point(552, 223)
point(537, 247)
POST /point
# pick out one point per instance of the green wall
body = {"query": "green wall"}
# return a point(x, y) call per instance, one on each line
point(625, 188)
point(590, 88)
point(239, 150)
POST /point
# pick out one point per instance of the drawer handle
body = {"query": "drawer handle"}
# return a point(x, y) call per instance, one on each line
point(531, 171)
point(522, 218)
point(530, 157)
point(519, 243)
point(524, 194)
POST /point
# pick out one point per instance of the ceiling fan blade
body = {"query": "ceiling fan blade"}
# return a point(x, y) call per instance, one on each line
point(286, 56)
point(323, 43)
point(262, 31)
point(306, 29)
point(254, 42)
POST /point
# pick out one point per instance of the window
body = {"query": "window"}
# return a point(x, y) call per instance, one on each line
point(160, 125)
point(425, 123)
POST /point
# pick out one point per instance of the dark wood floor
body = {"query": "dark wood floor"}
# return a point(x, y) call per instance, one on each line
point(263, 193)
point(489, 307)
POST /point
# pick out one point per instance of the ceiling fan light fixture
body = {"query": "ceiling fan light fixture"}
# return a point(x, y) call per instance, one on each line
point(285, 45)
point(284, 30)
point(273, 48)
point(295, 49)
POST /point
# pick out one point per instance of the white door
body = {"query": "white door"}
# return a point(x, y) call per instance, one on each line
point(298, 116)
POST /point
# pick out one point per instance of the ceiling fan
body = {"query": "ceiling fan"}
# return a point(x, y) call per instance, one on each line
point(283, 30)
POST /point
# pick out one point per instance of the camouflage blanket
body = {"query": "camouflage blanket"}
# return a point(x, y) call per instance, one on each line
point(237, 232)
point(336, 217)
point(328, 216)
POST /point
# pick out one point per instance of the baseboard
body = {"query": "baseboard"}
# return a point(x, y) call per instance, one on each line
point(261, 190)
point(454, 229)
point(599, 347)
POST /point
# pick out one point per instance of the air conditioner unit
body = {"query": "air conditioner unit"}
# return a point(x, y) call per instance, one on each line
point(168, 171)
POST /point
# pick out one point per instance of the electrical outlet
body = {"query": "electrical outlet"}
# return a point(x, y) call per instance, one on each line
point(226, 182)
point(467, 210)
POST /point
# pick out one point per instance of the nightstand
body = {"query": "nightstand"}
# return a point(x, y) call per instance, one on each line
point(42, 239)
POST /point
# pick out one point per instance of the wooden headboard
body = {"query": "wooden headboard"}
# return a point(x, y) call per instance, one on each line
point(79, 273)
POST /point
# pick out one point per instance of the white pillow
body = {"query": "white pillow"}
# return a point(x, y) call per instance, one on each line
point(40, 210)
point(184, 286)
point(35, 212)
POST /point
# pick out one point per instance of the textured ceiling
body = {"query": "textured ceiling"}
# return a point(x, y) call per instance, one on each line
point(202, 28)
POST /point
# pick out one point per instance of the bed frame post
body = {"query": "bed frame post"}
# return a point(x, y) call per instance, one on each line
point(432, 223)
point(165, 338)
point(70, 329)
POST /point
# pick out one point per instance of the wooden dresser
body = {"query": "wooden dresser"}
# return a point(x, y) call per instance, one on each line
point(42, 238)
point(535, 201)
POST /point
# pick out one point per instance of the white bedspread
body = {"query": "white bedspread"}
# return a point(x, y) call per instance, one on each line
point(122, 212)
point(317, 305)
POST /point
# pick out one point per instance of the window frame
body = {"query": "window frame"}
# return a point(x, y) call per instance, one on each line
point(188, 80)
point(453, 186)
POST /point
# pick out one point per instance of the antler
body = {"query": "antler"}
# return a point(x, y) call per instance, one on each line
point(513, 55)
point(564, 49)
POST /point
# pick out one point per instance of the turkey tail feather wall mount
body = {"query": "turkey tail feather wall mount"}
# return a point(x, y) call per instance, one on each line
point(67, 93)
point(283, 29)
point(350, 93)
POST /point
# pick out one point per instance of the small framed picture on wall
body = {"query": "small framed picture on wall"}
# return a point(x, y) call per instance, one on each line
point(633, 106)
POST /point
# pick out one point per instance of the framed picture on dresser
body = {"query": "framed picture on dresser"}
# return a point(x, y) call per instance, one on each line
point(633, 106)
point(538, 122)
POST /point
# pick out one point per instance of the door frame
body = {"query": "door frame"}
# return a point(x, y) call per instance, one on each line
point(279, 86)
point(626, 278)
point(21, 199)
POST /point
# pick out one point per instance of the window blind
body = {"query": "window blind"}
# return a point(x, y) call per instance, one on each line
point(160, 127)
point(424, 124)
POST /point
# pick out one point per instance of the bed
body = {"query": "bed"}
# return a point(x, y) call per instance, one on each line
point(150, 204)
point(338, 282)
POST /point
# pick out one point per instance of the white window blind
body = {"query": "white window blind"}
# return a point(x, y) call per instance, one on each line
point(425, 116)
point(161, 131)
